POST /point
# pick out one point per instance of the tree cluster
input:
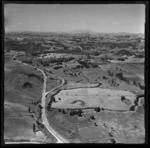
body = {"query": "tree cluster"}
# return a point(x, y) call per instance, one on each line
point(46, 62)
point(76, 112)
point(121, 77)
point(87, 64)
point(27, 85)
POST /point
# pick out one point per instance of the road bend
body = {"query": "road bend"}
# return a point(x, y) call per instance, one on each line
point(43, 103)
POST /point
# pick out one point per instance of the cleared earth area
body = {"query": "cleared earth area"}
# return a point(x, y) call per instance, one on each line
point(93, 97)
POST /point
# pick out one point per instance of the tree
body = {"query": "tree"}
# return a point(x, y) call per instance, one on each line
point(27, 84)
point(80, 112)
point(34, 128)
point(31, 109)
point(59, 110)
point(97, 109)
point(64, 112)
point(92, 117)
point(141, 86)
point(135, 83)
point(95, 124)
point(123, 98)
point(104, 77)
point(74, 112)
point(40, 126)
point(119, 75)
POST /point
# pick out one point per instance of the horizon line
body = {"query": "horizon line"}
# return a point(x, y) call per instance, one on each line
point(72, 31)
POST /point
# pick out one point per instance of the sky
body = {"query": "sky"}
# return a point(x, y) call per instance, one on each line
point(103, 18)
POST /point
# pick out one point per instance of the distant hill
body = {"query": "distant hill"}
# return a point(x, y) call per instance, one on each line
point(80, 32)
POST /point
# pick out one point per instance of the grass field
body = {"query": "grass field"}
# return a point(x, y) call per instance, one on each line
point(16, 76)
point(107, 127)
point(18, 123)
point(93, 97)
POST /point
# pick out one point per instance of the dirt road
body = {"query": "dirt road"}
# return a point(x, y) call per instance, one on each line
point(43, 103)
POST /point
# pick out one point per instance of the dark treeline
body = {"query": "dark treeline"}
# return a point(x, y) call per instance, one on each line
point(121, 77)
point(87, 64)
point(80, 111)
point(46, 62)
point(133, 107)
point(76, 109)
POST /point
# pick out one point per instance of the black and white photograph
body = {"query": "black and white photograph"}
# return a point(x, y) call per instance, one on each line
point(74, 73)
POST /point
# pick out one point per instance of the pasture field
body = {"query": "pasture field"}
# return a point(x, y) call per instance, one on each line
point(22, 86)
point(106, 126)
point(18, 123)
point(93, 97)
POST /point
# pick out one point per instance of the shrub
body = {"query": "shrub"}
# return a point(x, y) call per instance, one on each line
point(123, 98)
point(97, 109)
point(27, 84)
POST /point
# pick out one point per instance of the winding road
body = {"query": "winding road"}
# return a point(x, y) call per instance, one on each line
point(59, 138)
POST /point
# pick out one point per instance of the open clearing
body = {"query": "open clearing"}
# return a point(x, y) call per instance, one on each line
point(93, 97)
